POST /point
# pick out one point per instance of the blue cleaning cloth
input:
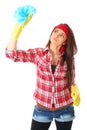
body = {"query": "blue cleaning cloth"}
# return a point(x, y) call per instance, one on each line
point(22, 13)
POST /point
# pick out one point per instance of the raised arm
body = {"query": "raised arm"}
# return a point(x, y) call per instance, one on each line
point(22, 16)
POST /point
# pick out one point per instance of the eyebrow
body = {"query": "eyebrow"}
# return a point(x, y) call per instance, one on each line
point(58, 30)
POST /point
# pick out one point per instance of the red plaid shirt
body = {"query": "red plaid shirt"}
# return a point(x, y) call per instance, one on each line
point(51, 88)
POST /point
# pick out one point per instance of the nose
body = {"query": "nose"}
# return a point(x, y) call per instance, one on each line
point(57, 35)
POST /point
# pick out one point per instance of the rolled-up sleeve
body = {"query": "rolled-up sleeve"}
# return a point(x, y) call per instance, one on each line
point(23, 56)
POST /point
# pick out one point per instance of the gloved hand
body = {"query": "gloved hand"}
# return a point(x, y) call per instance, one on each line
point(75, 93)
point(22, 17)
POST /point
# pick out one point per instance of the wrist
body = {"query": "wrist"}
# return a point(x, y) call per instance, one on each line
point(12, 45)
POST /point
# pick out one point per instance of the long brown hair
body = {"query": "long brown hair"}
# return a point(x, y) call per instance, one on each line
point(70, 51)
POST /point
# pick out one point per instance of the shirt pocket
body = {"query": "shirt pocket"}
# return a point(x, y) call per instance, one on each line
point(43, 66)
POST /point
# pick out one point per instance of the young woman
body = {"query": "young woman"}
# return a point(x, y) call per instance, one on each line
point(55, 77)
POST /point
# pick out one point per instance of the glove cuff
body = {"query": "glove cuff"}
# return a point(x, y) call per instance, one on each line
point(16, 31)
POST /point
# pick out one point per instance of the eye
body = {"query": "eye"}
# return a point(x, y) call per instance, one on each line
point(55, 31)
point(62, 35)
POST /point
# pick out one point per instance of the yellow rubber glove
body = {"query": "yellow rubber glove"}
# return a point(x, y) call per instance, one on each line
point(18, 27)
point(75, 93)
point(22, 15)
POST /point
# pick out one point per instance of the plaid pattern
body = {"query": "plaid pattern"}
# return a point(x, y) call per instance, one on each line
point(51, 88)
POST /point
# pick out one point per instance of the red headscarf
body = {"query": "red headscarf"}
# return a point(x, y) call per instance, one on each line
point(64, 28)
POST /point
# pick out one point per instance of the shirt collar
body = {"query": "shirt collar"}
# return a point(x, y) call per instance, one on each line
point(46, 50)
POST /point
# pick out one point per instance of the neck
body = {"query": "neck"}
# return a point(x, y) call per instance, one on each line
point(54, 50)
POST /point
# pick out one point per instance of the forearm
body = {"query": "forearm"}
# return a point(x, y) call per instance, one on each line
point(12, 44)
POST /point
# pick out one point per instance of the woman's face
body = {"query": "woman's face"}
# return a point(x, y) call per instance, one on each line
point(58, 38)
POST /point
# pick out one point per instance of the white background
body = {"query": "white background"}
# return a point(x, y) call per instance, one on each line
point(18, 80)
